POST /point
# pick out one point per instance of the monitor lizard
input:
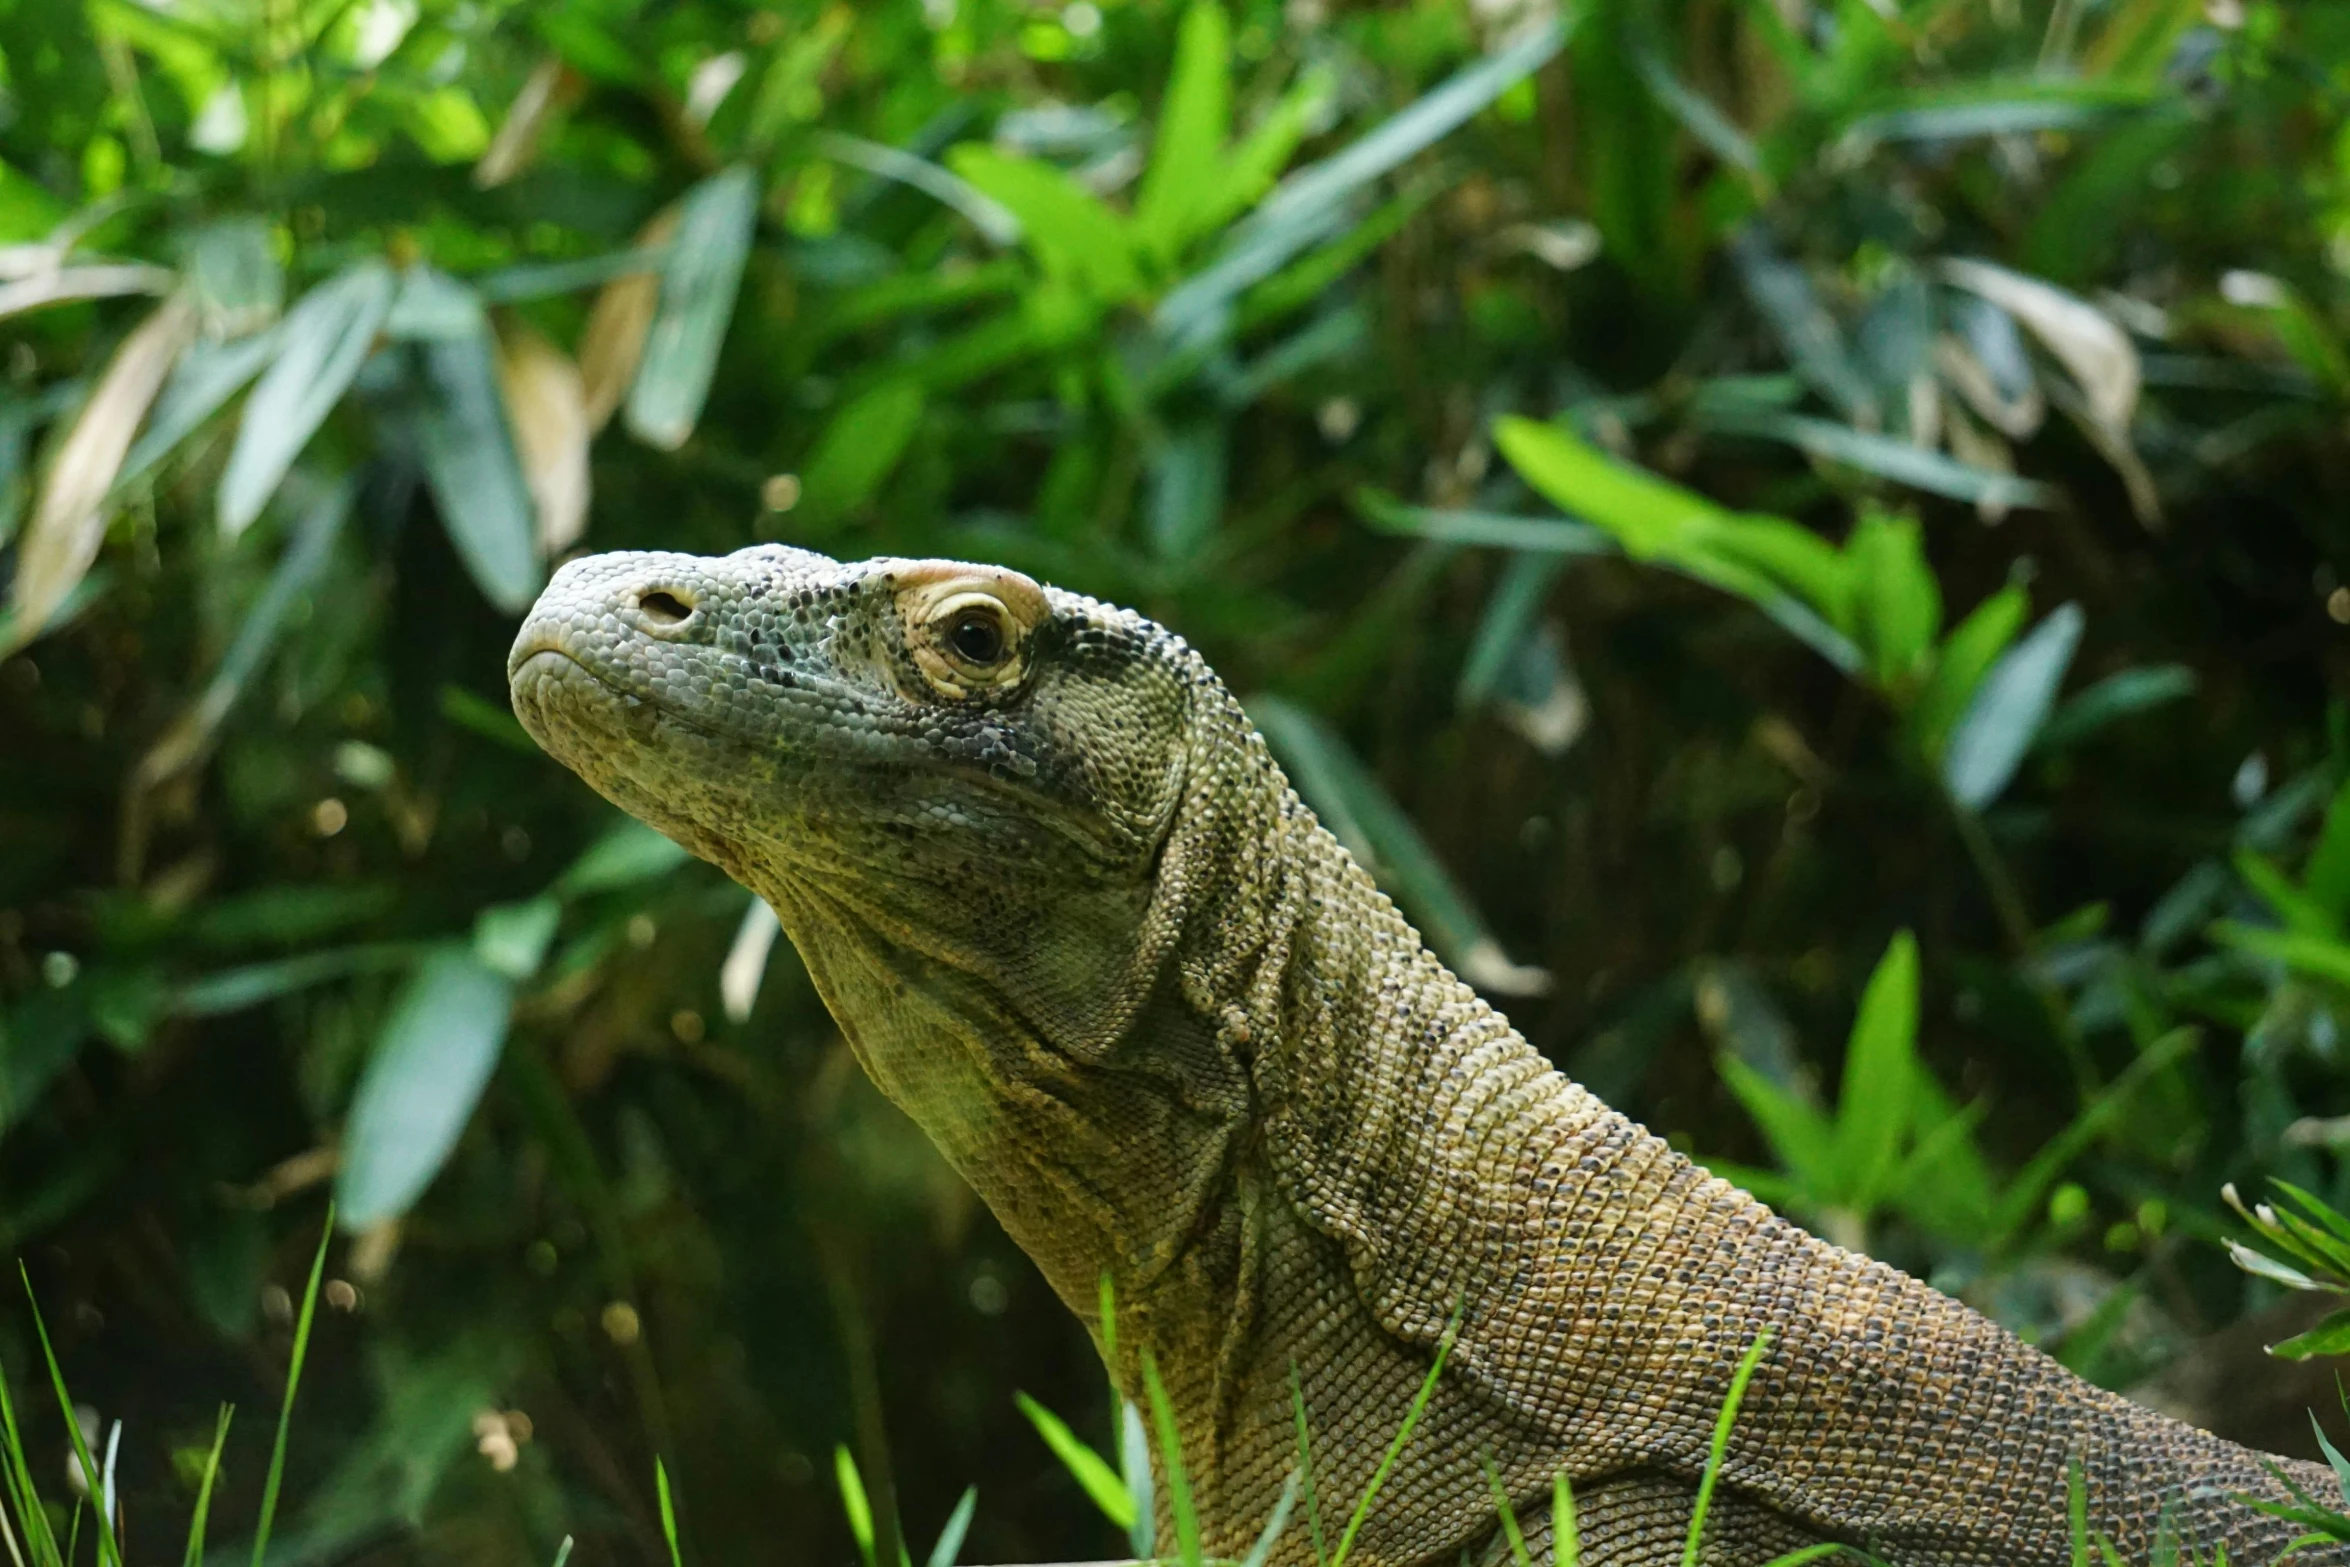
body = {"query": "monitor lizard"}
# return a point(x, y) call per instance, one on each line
point(1070, 915)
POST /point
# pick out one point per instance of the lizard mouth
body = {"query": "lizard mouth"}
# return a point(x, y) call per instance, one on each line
point(546, 677)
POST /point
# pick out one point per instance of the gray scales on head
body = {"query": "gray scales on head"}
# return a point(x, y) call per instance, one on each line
point(1071, 916)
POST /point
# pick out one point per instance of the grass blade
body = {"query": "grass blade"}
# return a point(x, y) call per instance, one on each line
point(854, 1503)
point(203, 1512)
point(1305, 1465)
point(1087, 1467)
point(669, 1512)
point(1721, 1444)
point(1187, 1547)
point(39, 1537)
point(1509, 1515)
point(1403, 1434)
point(1278, 1520)
point(563, 1552)
point(285, 1414)
point(1566, 1537)
point(958, 1524)
point(108, 1552)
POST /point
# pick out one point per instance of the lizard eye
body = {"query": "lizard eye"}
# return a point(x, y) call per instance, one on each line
point(976, 634)
point(968, 627)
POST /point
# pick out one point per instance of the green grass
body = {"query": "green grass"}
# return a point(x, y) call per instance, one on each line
point(38, 1545)
point(30, 1540)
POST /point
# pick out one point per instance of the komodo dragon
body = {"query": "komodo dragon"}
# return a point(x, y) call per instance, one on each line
point(1070, 916)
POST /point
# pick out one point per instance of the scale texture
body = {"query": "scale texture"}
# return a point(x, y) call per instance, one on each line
point(1071, 916)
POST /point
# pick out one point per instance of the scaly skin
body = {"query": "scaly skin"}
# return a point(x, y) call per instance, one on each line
point(1070, 915)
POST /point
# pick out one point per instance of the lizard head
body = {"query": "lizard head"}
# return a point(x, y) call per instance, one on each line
point(952, 784)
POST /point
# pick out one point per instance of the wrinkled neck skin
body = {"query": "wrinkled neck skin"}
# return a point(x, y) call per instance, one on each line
point(1154, 1083)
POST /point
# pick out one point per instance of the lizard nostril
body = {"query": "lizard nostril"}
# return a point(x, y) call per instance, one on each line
point(663, 608)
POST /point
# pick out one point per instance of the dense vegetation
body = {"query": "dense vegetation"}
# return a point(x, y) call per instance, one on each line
point(1750, 514)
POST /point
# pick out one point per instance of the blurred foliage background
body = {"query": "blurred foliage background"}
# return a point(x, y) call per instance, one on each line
point(1808, 541)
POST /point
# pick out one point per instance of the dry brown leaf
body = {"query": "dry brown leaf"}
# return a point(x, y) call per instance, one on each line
point(546, 406)
point(1978, 448)
point(55, 286)
point(70, 522)
point(2018, 419)
point(2084, 339)
point(550, 89)
point(614, 340)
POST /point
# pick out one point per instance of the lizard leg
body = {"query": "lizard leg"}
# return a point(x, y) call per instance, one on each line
point(1641, 1519)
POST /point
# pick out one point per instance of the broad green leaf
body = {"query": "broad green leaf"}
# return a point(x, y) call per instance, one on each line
point(540, 279)
point(2320, 957)
point(1413, 129)
point(1073, 235)
point(429, 1067)
point(1651, 518)
point(1759, 558)
point(1338, 335)
point(1499, 530)
point(1309, 207)
point(715, 224)
point(1693, 109)
point(38, 1038)
point(1186, 496)
point(207, 376)
point(991, 217)
point(2296, 908)
point(2117, 696)
point(1788, 555)
point(1992, 736)
point(468, 448)
point(2138, 40)
point(1960, 666)
point(304, 561)
point(1897, 603)
point(1656, 520)
point(1886, 456)
point(1876, 1109)
point(290, 912)
point(233, 990)
point(17, 421)
point(1187, 157)
point(2327, 875)
point(1783, 294)
point(234, 277)
point(1988, 107)
point(1510, 615)
point(1265, 297)
point(629, 853)
point(1259, 157)
point(27, 209)
point(320, 346)
point(860, 447)
point(511, 938)
point(1088, 1468)
point(1802, 1139)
